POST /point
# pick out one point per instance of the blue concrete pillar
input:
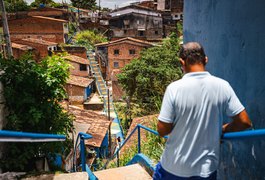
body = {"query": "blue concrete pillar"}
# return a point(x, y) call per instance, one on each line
point(233, 34)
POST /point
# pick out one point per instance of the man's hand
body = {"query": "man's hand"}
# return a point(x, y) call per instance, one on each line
point(164, 128)
point(240, 122)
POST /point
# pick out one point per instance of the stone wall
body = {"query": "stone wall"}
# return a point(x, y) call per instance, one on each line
point(232, 33)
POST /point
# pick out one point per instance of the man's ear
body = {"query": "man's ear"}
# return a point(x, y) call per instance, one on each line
point(206, 59)
point(182, 62)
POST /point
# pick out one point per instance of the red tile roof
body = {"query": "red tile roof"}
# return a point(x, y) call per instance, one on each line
point(98, 125)
point(51, 19)
point(77, 59)
point(125, 39)
point(79, 81)
point(21, 47)
point(40, 41)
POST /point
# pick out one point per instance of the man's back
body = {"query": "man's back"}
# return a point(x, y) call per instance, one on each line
point(195, 105)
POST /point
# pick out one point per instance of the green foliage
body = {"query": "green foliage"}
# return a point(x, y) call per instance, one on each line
point(32, 92)
point(152, 147)
point(145, 79)
point(85, 4)
point(49, 3)
point(89, 38)
point(14, 6)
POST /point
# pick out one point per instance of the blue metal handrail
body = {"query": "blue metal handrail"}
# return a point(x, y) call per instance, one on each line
point(227, 136)
point(83, 136)
point(15, 136)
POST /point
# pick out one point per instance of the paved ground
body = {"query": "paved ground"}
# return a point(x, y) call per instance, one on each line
point(132, 172)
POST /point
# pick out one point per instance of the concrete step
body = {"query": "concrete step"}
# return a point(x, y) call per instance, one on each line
point(132, 172)
point(66, 176)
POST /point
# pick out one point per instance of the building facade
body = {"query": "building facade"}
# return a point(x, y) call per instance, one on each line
point(42, 48)
point(114, 55)
point(79, 66)
point(136, 22)
point(39, 27)
point(79, 89)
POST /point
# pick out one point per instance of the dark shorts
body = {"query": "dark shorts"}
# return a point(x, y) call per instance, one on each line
point(162, 174)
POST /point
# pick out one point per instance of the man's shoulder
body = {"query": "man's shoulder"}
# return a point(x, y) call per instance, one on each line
point(176, 83)
point(218, 80)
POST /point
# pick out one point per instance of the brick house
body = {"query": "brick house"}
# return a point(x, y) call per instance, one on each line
point(58, 13)
point(42, 48)
point(89, 122)
point(39, 27)
point(138, 22)
point(79, 89)
point(80, 66)
point(75, 50)
point(21, 49)
point(119, 53)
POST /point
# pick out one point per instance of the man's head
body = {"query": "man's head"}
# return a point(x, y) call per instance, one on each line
point(192, 54)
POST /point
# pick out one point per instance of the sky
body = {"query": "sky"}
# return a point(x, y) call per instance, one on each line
point(104, 3)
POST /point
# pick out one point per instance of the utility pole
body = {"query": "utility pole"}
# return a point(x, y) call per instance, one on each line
point(6, 30)
point(9, 50)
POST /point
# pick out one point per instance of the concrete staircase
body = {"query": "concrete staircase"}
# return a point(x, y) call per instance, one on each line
point(100, 83)
point(131, 172)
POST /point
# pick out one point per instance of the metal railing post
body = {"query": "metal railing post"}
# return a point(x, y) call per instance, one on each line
point(83, 154)
point(118, 159)
point(139, 139)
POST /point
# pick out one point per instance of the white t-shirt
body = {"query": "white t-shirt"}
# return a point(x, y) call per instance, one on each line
point(196, 105)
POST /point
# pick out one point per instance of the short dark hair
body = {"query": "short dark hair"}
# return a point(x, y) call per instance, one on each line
point(192, 53)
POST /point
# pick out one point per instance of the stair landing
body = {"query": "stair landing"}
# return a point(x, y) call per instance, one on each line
point(131, 172)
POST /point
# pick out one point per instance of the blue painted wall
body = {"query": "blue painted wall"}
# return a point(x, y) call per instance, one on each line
point(233, 34)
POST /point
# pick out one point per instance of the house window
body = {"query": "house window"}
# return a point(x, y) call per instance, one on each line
point(156, 32)
point(125, 31)
point(116, 51)
point(141, 33)
point(116, 64)
point(132, 51)
point(83, 67)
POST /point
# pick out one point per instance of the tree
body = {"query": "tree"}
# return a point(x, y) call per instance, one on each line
point(17, 5)
point(50, 3)
point(146, 78)
point(33, 92)
point(85, 4)
point(89, 38)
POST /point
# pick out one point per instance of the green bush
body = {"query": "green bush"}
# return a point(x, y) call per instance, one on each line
point(33, 92)
point(89, 38)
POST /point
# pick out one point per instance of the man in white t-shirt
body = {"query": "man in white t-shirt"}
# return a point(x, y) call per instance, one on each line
point(192, 115)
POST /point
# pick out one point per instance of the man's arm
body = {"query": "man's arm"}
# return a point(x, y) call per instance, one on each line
point(240, 122)
point(164, 128)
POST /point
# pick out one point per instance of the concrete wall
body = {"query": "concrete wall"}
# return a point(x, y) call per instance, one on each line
point(233, 35)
